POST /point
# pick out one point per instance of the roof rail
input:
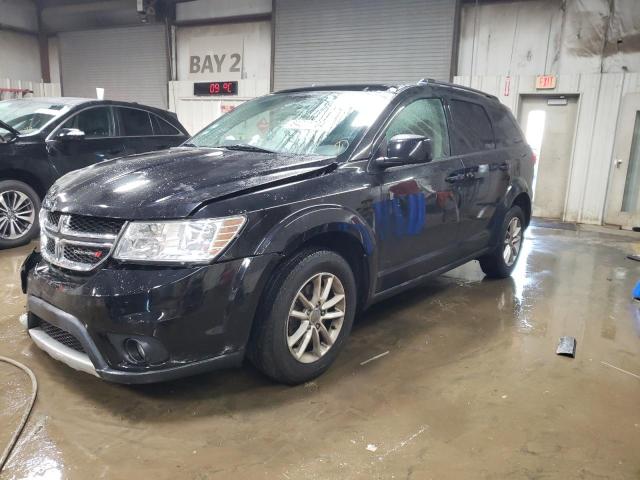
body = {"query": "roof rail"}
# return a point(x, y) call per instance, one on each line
point(349, 87)
point(431, 81)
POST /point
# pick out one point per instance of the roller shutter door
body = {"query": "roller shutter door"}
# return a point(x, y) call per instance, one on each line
point(129, 63)
point(352, 41)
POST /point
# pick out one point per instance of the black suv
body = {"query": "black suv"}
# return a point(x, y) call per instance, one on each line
point(41, 139)
point(267, 231)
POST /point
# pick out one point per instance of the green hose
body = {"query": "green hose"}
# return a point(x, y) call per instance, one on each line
point(27, 412)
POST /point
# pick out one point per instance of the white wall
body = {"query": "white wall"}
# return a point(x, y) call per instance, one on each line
point(549, 36)
point(54, 59)
point(593, 50)
point(19, 56)
point(19, 51)
point(39, 89)
point(592, 156)
point(250, 41)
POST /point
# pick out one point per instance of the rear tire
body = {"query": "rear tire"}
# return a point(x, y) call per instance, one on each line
point(291, 342)
point(501, 262)
point(19, 207)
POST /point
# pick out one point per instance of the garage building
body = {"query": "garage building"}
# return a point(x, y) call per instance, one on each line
point(456, 379)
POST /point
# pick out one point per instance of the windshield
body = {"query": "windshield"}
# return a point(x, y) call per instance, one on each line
point(317, 122)
point(29, 116)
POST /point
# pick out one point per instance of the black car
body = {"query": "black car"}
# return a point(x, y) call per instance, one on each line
point(41, 139)
point(266, 232)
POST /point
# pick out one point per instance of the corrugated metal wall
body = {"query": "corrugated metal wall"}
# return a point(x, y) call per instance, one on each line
point(129, 63)
point(596, 129)
point(350, 41)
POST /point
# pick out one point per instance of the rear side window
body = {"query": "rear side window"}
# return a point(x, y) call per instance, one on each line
point(162, 127)
point(471, 127)
point(134, 122)
point(505, 128)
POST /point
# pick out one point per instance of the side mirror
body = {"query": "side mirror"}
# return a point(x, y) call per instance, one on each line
point(69, 134)
point(406, 149)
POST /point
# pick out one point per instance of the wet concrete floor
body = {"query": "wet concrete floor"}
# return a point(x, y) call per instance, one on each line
point(470, 388)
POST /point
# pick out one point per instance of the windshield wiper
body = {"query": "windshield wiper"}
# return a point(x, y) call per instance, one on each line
point(246, 147)
point(6, 126)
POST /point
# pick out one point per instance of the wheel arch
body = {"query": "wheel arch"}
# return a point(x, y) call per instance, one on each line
point(523, 201)
point(26, 177)
point(334, 227)
point(519, 194)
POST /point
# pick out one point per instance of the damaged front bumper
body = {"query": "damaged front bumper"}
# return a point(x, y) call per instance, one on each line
point(144, 324)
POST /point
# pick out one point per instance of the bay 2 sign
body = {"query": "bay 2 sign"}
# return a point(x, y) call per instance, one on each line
point(215, 63)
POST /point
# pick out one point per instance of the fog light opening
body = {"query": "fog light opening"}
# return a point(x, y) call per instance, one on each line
point(135, 350)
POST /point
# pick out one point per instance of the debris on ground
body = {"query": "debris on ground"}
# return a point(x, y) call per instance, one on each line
point(567, 347)
point(371, 447)
point(374, 358)
point(620, 369)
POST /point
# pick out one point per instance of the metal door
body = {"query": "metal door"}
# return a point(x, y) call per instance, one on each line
point(623, 200)
point(549, 124)
point(356, 41)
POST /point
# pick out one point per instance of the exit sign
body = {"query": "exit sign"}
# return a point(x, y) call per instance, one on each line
point(545, 82)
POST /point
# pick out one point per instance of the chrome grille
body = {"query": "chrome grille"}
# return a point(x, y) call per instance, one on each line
point(77, 242)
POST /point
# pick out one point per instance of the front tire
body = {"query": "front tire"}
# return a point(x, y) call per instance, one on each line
point(501, 262)
point(19, 207)
point(305, 317)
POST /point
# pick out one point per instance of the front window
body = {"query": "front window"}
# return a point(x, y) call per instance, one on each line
point(303, 123)
point(29, 116)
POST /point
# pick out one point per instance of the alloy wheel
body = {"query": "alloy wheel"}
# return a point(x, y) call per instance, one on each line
point(17, 214)
point(316, 317)
point(512, 241)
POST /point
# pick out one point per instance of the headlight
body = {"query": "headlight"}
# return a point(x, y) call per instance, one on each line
point(177, 240)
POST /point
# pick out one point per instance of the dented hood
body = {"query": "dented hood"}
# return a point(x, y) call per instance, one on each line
point(173, 183)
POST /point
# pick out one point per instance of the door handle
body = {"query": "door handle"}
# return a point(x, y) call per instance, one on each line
point(617, 162)
point(454, 178)
point(115, 151)
point(504, 166)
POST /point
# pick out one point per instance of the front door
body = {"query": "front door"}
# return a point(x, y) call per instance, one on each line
point(623, 201)
point(417, 216)
point(100, 142)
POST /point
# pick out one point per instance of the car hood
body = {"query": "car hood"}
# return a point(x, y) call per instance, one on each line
point(175, 182)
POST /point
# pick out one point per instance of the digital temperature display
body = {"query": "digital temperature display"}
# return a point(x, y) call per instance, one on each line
point(215, 88)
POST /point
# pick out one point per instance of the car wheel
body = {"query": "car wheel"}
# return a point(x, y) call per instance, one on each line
point(19, 206)
point(501, 262)
point(305, 317)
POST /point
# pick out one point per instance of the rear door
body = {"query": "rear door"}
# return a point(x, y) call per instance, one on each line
point(136, 130)
point(486, 172)
point(417, 216)
point(100, 141)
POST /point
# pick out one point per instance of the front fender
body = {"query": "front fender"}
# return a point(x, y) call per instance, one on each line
point(325, 222)
point(299, 227)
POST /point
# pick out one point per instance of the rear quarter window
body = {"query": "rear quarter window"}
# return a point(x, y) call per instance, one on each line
point(162, 127)
point(505, 128)
point(471, 130)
